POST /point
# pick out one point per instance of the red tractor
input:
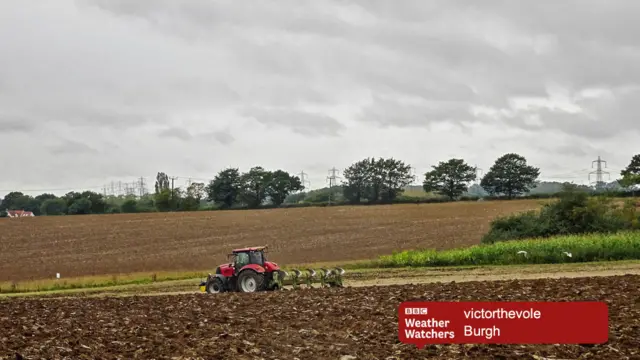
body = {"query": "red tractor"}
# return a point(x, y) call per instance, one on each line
point(247, 271)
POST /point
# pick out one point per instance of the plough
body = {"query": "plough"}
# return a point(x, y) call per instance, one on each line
point(249, 271)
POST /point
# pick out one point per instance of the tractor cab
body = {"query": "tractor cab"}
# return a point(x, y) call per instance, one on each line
point(246, 256)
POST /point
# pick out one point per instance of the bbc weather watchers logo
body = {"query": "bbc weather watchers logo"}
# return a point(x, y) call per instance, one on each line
point(415, 311)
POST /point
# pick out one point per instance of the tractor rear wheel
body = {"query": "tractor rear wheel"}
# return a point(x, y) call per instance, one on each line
point(250, 281)
point(215, 286)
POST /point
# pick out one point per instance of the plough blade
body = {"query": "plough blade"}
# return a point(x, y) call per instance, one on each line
point(326, 278)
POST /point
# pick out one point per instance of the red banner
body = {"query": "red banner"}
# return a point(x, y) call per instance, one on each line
point(423, 323)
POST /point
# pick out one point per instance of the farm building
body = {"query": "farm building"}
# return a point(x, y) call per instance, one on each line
point(18, 213)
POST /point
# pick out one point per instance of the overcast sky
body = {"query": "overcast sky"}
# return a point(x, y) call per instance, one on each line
point(93, 91)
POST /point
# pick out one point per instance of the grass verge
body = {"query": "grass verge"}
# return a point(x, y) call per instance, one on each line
point(141, 278)
point(562, 249)
point(89, 282)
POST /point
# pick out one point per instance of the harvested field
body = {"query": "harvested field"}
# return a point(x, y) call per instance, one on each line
point(36, 248)
point(312, 324)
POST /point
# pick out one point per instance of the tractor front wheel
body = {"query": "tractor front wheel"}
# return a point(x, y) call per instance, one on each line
point(215, 286)
point(250, 281)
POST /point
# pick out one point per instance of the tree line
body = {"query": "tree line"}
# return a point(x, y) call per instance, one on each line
point(369, 181)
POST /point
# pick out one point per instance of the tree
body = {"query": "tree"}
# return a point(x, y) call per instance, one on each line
point(98, 203)
point(390, 178)
point(71, 197)
point(631, 174)
point(449, 178)
point(55, 206)
point(281, 185)
point(510, 175)
point(358, 180)
point(44, 197)
point(15, 200)
point(224, 189)
point(196, 191)
point(162, 182)
point(379, 180)
point(163, 201)
point(129, 206)
point(81, 206)
point(191, 200)
point(254, 183)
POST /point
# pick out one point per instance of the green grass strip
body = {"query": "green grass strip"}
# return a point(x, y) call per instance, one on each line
point(583, 248)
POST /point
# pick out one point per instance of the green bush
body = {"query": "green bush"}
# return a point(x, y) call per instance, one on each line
point(583, 248)
point(129, 206)
point(575, 212)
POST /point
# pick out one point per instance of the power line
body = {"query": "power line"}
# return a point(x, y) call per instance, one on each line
point(100, 187)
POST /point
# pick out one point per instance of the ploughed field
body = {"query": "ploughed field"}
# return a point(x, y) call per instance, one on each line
point(40, 247)
point(307, 324)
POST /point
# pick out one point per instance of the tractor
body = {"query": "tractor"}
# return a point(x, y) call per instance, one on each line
point(249, 271)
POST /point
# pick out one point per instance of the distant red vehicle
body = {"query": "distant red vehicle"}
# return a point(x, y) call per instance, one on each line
point(247, 271)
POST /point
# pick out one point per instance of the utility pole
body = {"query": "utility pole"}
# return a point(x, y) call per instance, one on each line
point(332, 181)
point(172, 179)
point(303, 179)
point(599, 172)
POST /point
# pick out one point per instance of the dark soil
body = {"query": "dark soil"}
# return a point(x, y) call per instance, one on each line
point(306, 324)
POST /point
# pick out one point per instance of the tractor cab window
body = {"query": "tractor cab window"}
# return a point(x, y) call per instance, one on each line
point(256, 258)
point(242, 259)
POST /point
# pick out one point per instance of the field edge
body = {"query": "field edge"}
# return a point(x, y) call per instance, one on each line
point(374, 277)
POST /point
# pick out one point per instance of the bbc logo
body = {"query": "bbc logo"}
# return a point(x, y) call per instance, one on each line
point(415, 311)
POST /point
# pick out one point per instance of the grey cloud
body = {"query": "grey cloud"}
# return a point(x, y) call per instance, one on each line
point(301, 122)
point(72, 148)
point(387, 113)
point(223, 137)
point(180, 133)
point(569, 150)
point(9, 124)
point(600, 117)
point(177, 133)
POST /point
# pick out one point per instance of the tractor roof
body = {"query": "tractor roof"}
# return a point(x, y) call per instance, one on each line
point(256, 248)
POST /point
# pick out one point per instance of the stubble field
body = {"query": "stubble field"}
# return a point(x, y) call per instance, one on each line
point(38, 248)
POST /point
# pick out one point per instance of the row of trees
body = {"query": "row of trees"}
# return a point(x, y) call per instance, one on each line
point(510, 176)
point(251, 189)
point(72, 203)
point(370, 180)
point(383, 180)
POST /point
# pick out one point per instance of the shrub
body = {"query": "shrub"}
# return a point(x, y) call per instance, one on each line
point(129, 206)
point(575, 212)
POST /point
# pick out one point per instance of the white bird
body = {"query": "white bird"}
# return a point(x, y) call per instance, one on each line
point(567, 253)
point(523, 253)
